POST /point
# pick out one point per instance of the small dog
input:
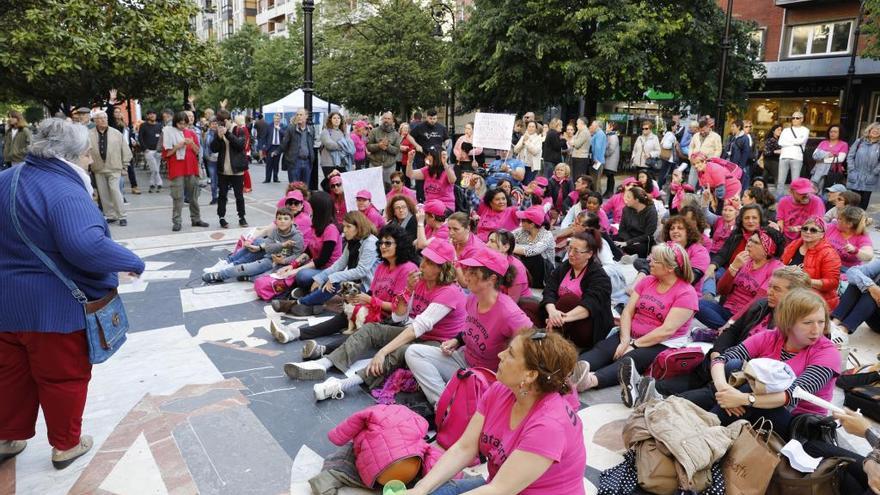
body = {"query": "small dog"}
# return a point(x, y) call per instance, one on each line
point(358, 314)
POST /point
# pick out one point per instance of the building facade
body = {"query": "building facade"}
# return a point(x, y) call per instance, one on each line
point(220, 19)
point(806, 47)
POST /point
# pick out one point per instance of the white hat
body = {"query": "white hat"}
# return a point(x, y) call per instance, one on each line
point(768, 376)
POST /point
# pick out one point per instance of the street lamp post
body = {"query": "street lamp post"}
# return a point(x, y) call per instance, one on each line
point(438, 13)
point(308, 9)
point(850, 75)
point(722, 75)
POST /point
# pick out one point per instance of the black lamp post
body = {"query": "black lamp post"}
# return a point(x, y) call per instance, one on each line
point(308, 90)
point(722, 75)
point(850, 75)
point(439, 11)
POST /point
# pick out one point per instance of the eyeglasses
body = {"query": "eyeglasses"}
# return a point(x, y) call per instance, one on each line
point(396, 182)
point(296, 203)
point(812, 230)
point(571, 249)
point(386, 243)
point(401, 207)
point(334, 186)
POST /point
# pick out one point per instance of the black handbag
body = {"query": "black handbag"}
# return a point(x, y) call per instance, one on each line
point(806, 427)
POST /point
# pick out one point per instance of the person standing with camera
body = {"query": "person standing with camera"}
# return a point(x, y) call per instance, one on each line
point(231, 165)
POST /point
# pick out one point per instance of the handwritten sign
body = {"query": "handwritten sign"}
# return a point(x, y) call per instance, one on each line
point(358, 180)
point(493, 130)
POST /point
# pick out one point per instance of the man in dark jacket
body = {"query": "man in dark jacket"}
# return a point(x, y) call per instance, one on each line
point(739, 151)
point(298, 147)
point(231, 165)
point(270, 146)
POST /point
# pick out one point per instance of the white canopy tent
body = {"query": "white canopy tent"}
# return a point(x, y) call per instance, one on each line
point(296, 100)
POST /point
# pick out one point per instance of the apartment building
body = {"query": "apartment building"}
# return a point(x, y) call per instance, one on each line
point(220, 19)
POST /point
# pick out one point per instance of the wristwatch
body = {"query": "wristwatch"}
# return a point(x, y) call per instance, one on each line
point(632, 343)
point(752, 400)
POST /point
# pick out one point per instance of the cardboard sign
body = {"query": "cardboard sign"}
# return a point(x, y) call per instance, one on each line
point(370, 179)
point(493, 130)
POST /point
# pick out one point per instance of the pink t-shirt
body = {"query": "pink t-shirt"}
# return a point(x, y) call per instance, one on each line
point(303, 222)
point(487, 334)
point(822, 353)
point(551, 429)
point(341, 208)
point(491, 220)
point(570, 285)
point(470, 247)
point(748, 282)
point(439, 188)
point(717, 175)
point(836, 239)
point(405, 191)
point(762, 326)
point(387, 283)
point(360, 147)
point(699, 256)
point(331, 233)
point(794, 215)
point(442, 232)
point(604, 224)
point(450, 296)
point(520, 287)
point(375, 217)
point(614, 207)
point(720, 233)
point(653, 307)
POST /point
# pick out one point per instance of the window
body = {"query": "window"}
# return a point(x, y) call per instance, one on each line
point(820, 39)
point(756, 42)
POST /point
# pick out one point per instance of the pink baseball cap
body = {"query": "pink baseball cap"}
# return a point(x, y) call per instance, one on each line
point(802, 186)
point(296, 195)
point(360, 124)
point(335, 180)
point(488, 258)
point(534, 214)
point(435, 207)
point(630, 180)
point(538, 190)
point(439, 251)
point(364, 194)
point(541, 181)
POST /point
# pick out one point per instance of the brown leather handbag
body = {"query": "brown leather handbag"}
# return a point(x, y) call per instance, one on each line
point(825, 480)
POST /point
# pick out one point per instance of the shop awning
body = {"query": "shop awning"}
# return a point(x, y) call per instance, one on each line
point(653, 94)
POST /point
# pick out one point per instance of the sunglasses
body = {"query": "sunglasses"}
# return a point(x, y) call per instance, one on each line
point(334, 186)
point(797, 118)
point(812, 230)
point(386, 243)
point(396, 182)
point(295, 202)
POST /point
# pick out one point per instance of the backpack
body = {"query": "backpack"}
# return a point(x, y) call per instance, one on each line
point(675, 362)
point(865, 398)
point(731, 167)
point(458, 403)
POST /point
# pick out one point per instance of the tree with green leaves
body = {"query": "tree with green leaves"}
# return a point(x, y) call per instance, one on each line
point(387, 60)
point(72, 52)
point(512, 55)
point(871, 29)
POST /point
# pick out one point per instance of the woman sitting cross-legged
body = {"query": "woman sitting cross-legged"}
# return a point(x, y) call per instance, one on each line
point(684, 232)
point(397, 256)
point(849, 238)
point(799, 341)
point(860, 302)
point(502, 241)
point(638, 224)
point(492, 320)
point(661, 308)
point(577, 298)
point(436, 313)
point(818, 258)
point(535, 244)
point(745, 279)
point(356, 264)
point(526, 425)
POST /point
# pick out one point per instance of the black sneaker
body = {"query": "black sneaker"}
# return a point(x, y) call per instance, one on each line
point(123, 222)
point(224, 223)
point(212, 278)
point(176, 227)
point(242, 222)
point(629, 381)
point(213, 202)
point(200, 224)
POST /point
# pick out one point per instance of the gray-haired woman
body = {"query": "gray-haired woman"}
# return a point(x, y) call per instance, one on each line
point(863, 164)
point(44, 358)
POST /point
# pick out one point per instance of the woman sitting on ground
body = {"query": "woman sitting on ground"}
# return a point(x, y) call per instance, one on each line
point(818, 258)
point(750, 219)
point(495, 212)
point(492, 320)
point(503, 242)
point(799, 341)
point(436, 313)
point(577, 297)
point(587, 201)
point(848, 237)
point(526, 424)
point(745, 279)
point(334, 182)
point(535, 244)
point(660, 309)
point(439, 177)
point(860, 302)
point(636, 232)
point(763, 198)
point(401, 211)
point(613, 208)
point(356, 264)
point(722, 225)
point(399, 188)
point(431, 223)
point(647, 182)
point(364, 201)
point(683, 232)
point(397, 256)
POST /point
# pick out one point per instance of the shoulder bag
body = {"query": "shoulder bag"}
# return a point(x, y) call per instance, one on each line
point(106, 321)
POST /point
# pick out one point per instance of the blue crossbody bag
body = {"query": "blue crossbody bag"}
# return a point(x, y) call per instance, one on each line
point(106, 321)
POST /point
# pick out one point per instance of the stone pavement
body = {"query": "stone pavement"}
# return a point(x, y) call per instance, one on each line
point(196, 401)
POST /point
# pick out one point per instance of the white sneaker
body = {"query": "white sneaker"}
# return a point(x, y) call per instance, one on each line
point(581, 376)
point(839, 336)
point(309, 370)
point(629, 379)
point(329, 389)
point(283, 334)
point(220, 265)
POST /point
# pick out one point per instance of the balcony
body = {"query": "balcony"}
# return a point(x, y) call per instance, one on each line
point(270, 10)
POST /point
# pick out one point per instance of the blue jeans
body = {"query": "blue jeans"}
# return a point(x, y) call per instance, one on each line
point(779, 416)
point(319, 296)
point(746, 179)
point(244, 256)
point(856, 308)
point(248, 269)
point(456, 487)
point(211, 168)
point(300, 171)
point(305, 277)
point(710, 284)
point(713, 314)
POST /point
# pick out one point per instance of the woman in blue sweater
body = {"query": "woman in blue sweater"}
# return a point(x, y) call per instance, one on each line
point(44, 361)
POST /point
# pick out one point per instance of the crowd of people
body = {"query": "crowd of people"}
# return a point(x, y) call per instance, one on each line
point(518, 262)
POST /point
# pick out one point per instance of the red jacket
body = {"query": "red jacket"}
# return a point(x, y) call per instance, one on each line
point(383, 435)
point(821, 263)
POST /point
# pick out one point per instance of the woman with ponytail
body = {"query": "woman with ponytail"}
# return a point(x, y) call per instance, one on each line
point(849, 238)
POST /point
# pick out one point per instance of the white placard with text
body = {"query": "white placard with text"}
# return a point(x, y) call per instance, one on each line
point(357, 180)
point(493, 130)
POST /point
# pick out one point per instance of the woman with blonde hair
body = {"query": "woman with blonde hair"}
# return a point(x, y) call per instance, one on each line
point(17, 140)
point(660, 309)
point(863, 165)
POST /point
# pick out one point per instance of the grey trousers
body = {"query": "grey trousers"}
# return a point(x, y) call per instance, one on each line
point(786, 164)
point(432, 368)
point(372, 336)
point(110, 194)
point(190, 183)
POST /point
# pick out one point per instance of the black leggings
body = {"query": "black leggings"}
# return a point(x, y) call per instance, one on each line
point(866, 199)
point(535, 266)
point(602, 363)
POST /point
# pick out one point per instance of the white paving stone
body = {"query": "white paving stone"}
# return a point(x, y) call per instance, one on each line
point(136, 472)
point(217, 295)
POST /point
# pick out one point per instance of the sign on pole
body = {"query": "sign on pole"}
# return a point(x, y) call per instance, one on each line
point(493, 130)
point(370, 179)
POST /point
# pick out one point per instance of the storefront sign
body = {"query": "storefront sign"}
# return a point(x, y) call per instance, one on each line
point(819, 67)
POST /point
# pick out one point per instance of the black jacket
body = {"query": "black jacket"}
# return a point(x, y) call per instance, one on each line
point(237, 160)
point(740, 152)
point(725, 255)
point(637, 228)
point(737, 332)
point(552, 151)
point(596, 287)
point(290, 145)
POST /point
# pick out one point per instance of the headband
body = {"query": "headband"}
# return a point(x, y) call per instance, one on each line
point(679, 253)
point(733, 202)
point(819, 221)
point(767, 242)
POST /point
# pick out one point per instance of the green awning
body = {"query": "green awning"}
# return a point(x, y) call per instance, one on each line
point(652, 94)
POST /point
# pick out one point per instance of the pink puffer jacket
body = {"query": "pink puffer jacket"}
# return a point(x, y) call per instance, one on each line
point(383, 435)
